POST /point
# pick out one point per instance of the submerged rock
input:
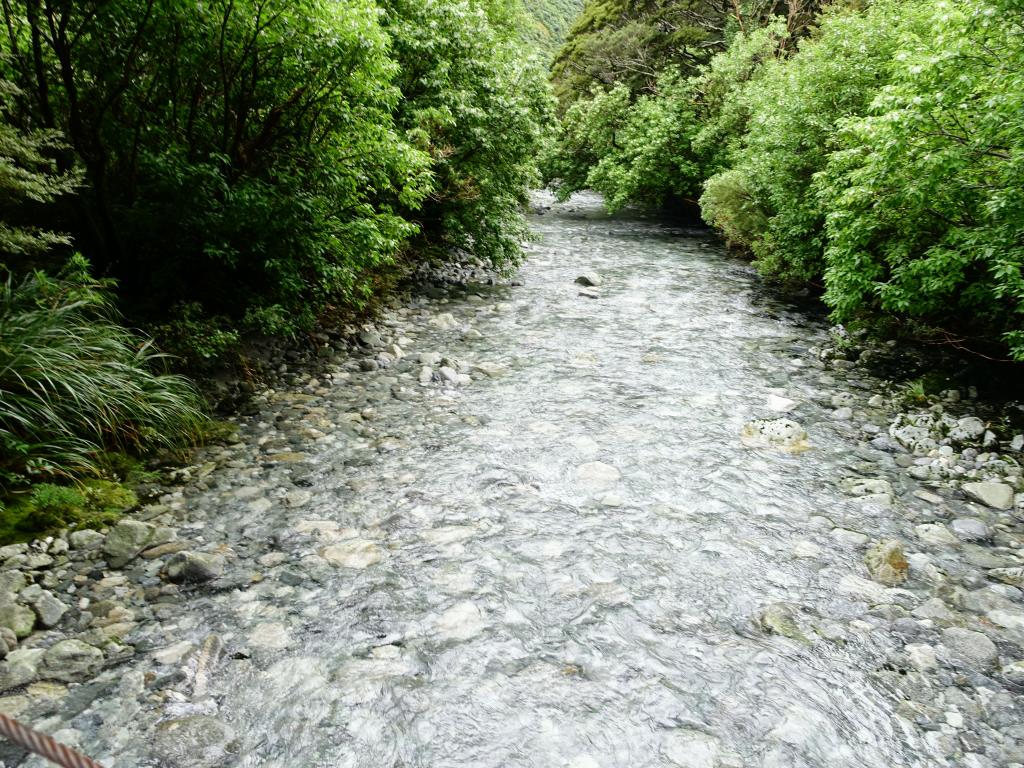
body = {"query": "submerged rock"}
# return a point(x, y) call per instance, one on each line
point(782, 434)
point(193, 567)
point(199, 741)
point(356, 553)
point(886, 563)
point(780, 619)
point(597, 476)
point(70, 660)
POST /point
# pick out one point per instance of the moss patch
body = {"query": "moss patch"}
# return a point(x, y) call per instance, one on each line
point(47, 507)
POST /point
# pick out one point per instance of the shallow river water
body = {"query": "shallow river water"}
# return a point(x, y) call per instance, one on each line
point(564, 562)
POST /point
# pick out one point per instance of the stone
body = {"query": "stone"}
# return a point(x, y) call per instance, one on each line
point(70, 660)
point(590, 293)
point(86, 539)
point(590, 279)
point(193, 567)
point(935, 534)
point(780, 619)
point(270, 636)
point(12, 582)
point(298, 498)
point(597, 476)
point(1007, 619)
point(966, 429)
point(1012, 576)
point(49, 609)
point(780, 404)
point(460, 622)
point(995, 495)
point(1014, 672)
point(20, 619)
point(934, 609)
point(969, 647)
point(842, 414)
point(886, 563)
point(20, 667)
point(781, 434)
point(355, 553)
point(426, 375)
point(921, 656)
point(970, 529)
point(866, 486)
point(172, 654)
point(124, 543)
point(197, 741)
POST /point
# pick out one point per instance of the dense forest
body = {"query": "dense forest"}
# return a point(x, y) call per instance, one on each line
point(871, 152)
point(208, 171)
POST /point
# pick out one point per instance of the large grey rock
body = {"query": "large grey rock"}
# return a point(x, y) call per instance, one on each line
point(49, 609)
point(12, 582)
point(968, 428)
point(995, 495)
point(355, 553)
point(193, 567)
point(590, 279)
point(970, 648)
point(70, 660)
point(198, 741)
point(970, 529)
point(128, 538)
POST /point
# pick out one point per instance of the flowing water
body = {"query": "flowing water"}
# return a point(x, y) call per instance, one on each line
point(507, 608)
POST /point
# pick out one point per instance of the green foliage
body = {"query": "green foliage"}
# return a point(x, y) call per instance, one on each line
point(791, 108)
point(549, 22)
point(73, 381)
point(925, 198)
point(27, 175)
point(249, 164)
point(479, 111)
point(877, 153)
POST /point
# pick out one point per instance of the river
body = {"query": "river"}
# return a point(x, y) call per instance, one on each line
point(561, 557)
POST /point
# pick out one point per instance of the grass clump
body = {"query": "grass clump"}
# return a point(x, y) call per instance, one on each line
point(75, 383)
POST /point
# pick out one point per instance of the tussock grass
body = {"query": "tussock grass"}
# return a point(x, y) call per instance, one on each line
point(75, 382)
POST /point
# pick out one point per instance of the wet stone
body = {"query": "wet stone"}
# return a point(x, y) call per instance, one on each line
point(886, 563)
point(199, 741)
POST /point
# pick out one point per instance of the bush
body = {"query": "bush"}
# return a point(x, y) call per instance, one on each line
point(73, 381)
point(925, 198)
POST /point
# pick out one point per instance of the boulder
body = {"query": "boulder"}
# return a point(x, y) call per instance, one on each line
point(589, 279)
point(995, 495)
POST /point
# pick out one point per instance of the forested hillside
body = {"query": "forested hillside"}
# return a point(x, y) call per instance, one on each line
point(869, 151)
point(235, 167)
point(549, 22)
